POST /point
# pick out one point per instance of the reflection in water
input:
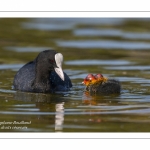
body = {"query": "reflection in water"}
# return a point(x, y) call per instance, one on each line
point(50, 103)
point(32, 97)
point(95, 99)
point(88, 99)
point(59, 117)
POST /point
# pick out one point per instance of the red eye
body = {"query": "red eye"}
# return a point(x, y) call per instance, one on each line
point(51, 61)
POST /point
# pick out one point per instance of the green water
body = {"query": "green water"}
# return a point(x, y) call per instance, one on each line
point(118, 48)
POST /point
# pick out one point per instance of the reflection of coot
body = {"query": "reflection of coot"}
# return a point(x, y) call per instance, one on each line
point(101, 85)
point(38, 97)
point(39, 75)
point(46, 111)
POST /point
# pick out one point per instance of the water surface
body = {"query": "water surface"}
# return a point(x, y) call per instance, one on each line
point(116, 47)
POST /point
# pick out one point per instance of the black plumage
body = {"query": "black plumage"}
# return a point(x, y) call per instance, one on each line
point(39, 75)
point(111, 86)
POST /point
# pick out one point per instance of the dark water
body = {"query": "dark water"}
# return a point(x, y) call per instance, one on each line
point(118, 48)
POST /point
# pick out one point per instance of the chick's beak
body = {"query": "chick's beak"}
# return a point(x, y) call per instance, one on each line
point(83, 82)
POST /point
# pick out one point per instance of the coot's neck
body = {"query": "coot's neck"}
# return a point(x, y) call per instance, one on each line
point(42, 78)
point(42, 75)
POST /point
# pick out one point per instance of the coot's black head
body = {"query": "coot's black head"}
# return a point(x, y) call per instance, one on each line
point(50, 60)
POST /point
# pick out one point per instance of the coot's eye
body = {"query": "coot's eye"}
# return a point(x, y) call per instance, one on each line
point(51, 60)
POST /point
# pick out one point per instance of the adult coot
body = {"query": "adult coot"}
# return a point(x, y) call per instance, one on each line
point(44, 74)
point(101, 85)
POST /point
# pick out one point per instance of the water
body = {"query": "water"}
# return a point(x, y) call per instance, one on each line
point(111, 32)
point(105, 44)
point(116, 47)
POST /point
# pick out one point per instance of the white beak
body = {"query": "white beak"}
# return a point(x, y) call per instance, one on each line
point(59, 60)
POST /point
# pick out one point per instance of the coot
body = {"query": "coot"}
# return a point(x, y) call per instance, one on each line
point(44, 74)
point(101, 85)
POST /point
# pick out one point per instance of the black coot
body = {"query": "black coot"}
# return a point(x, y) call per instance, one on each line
point(44, 74)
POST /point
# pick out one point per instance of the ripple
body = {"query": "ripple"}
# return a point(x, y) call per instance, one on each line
point(25, 105)
point(111, 33)
point(45, 26)
point(83, 112)
point(126, 97)
point(97, 62)
point(57, 24)
point(27, 113)
point(133, 79)
point(96, 32)
point(10, 66)
point(27, 109)
point(109, 108)
point(7, 91)
point(26, 49)
point(76, 74)
point(105, 44)
point(79, 76)
point(142, 81)
point(72, 72)
point(128, 68)
point(78, 127)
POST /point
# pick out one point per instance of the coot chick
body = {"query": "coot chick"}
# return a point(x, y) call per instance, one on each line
point(101, 85)
point(42, 75)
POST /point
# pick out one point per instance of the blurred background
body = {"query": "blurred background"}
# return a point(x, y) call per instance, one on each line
point(119, 48)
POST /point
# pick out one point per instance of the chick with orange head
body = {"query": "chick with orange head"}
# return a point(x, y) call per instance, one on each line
point(94, 79)
point(100, 84)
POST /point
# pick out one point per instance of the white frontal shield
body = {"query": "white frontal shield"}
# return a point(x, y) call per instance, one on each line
point(59, 60)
